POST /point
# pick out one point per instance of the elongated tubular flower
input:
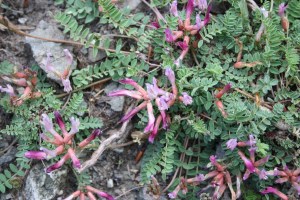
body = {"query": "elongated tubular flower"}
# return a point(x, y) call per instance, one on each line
point(173, 8)
point(69, 56)
point(155, 25)
point(48, 125)
point(91, 196)
point(67, 84)
point(133, 94)
point(151, 118)
point(183, 45)
point(229, 183)
point(281, 9)
point(91, 137)
point(173, 194)
point(274, 191)
point(231, 144)
point(249, 165)
point(262, 161)
point(75, 123)
point(51, 154)
point(162, 113)
point(131, 113)
point(221, 108)
point(223, 91)
point(100, 193)
point(37, 155)
point(75, 160)
point(73, 195)
point(155, 129)
point(189, 9)
point(169, 35)
point(213, 160)
point(9, 90)
point(59, 164)
point(263, 174)
point(136, 86)
point(184, 52)
point(60, 123)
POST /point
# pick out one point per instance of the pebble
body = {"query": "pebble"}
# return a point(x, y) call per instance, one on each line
point(110, 183)
point(22, 20)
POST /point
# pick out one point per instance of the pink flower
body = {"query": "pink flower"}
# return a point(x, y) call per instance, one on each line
point(169, 36)
point(48, 65)
point(223, 91)
point(155, 25)
point(213, 159)
point(75, 160)
point(189, 8)
point(58, 165)
point(274, 191)
point(183, 45)
point(152, 91)
point(249, 165)
point(131, 113)
point(100, 193)
point(151, 117)
point(69, 57)
point(199, 178)
point(133, 94)
point(38, 155)
point(60, 122)
point(163, 105)
point(231, 144)
point(173, 9)
point(9, 90)
point(281, 9)
point(187, 99)
point(155, 129)
point(91, 137)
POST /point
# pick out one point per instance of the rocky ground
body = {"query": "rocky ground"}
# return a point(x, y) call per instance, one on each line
point(116, 170)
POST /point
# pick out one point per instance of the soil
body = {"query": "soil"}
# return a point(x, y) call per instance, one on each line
point(116, 172)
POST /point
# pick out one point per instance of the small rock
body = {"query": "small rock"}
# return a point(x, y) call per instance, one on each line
point(39, 185)
point(41, 48)
point(22, 20)
point(110, 183)
point(118, 150)
point(100, 55)
point(116, 103)
point(8, 156)
point(131, 4)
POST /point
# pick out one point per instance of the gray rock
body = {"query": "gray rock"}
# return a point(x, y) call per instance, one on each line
point(131, 4)
point(116, 103)
point(22, 20)
point(40, 185)
point(8, 156)
point(110, 183)
point(40, 48)
point(100, 55)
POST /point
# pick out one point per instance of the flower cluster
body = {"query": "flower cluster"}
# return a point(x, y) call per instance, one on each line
point(26, 81)
point(64, 143)
point(185, 28)
point(221, 179)
point(219, 95)
point(163, 100)
point(64, 77)
point(90, 191)
point(285, 175)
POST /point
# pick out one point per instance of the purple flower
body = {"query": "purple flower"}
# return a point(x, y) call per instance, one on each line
point(281, 9)
point(69, 57)
point(75, 123)
point(47, 123)
point(58, 164)
point(9, 90)
point(187, 99)
point(172, 195)
point(163, 105)
point(173, 9)
point(48, 65)
point(189, 8)
point(169, 36)
point(131, 113)
point(183, 45)
point(263, 174)
point(274, 191)
point(50, 154)
point(249, 165)
point(60, 122)
point(170, 74)
point(213, 159)
point(133, 94)
point(75, 160)
point(199, 178)
point(151, 91)
point(91, 137)
point(202, 4)
point(155, 25)
point(231, 144)
point(151, 117)
point(38, 155)
point(252, 141)
point(67, 84)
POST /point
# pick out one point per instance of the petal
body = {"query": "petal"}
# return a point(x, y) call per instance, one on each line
point(231, 144)
point(91, 137)
point(173, 9)
point(58, 165)
point(60, 122)
point(155, 129)
point(170, 74)
point(169, 35)
point(37, 155)
point(75, 160)
point(187, 100)
point(75, 123)
point(69, 57)
point(151, 119)
point(247, 162)
point(67, 85)
point(189, 8)
point(131, 113)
